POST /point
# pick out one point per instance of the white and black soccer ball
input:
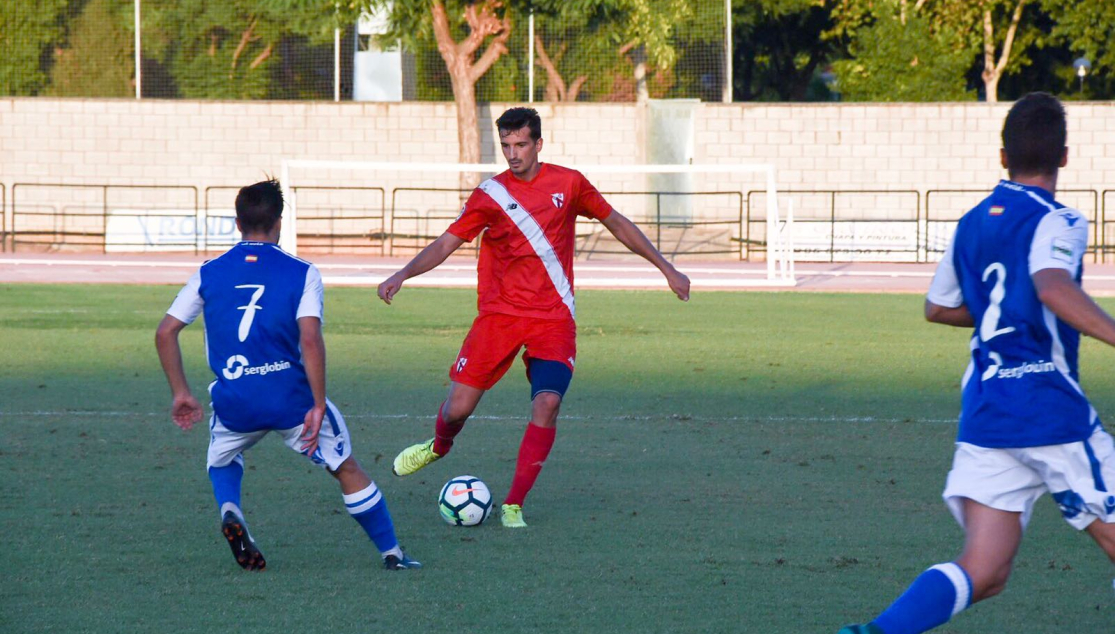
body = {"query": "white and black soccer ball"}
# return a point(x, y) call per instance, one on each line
point(465, 501)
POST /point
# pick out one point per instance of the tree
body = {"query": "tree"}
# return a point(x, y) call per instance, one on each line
point(1086, 28)
point(901, 57)
point(228, 49)
point(470, 37)
point(27, 31)
point(99, 60)
point(617, 50)
point(777, 47)
point(997, 49)
point(996, 32)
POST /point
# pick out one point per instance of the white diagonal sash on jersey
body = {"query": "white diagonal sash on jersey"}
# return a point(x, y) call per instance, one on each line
point(535, 236)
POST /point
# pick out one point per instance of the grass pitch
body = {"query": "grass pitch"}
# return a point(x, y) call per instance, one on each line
point(746, 462)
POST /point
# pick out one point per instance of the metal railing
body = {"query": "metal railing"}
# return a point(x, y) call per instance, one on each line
point(423, 225)
point(1104, 244)
point(674, 233)
point(3, 218)
point(81, 216)
point(893, 225)
point(843, 234)
point(939, 228)
point(324, 224)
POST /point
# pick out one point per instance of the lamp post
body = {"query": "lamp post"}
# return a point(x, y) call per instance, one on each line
point(1082, 66)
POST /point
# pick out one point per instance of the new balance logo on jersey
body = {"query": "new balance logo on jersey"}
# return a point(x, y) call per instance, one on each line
point(237, 366)
point(559, 200)
point(461, 364)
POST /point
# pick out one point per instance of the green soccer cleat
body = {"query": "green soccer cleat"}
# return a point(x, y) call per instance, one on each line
point(414, 458)
point(866, 628)
point(512, 516)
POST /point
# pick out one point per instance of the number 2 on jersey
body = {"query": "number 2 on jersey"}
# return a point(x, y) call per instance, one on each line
point(989, 325)
point(250, 309)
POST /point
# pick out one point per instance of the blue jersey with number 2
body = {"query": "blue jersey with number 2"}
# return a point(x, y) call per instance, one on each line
point(1021, 388)
point(252, 297)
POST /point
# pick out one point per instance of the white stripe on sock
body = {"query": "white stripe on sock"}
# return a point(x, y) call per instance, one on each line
point(959, 581)
point(361, 501)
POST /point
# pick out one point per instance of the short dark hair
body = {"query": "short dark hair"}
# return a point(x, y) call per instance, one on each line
point(259, 206)
point(519, 118)
point(1034, 135)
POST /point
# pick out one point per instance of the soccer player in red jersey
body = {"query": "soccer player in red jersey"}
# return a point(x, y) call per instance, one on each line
point(525, 294)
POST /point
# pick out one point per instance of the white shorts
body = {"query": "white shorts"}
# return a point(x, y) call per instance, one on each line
point(333, 443)
point(1079, 475)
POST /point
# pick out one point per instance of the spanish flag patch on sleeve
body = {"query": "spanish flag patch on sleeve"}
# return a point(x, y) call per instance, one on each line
point(251, 258)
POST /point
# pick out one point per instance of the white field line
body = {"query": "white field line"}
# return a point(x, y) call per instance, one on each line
point(519, 419)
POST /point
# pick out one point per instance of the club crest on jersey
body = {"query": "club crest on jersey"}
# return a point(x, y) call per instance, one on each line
point(559, 199)
point(1070, 219)
point(996, 210)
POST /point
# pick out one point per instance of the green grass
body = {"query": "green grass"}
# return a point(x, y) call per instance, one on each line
point(746, 462)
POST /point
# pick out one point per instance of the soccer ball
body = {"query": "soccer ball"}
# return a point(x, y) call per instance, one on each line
point(465, 501)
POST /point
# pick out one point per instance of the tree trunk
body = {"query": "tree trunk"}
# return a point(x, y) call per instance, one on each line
point(465, 71)
point(991, 87)
point(642, 92)
point(468, 130)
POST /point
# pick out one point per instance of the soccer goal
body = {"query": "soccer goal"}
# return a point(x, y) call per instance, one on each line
point(693, 212)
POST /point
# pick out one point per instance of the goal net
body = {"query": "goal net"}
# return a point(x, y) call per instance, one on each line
point(689, 212)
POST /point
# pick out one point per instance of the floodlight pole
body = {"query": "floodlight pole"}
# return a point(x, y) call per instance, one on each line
point(727, 88)
point(337, 64)
point(138, 55)
point(530, 57)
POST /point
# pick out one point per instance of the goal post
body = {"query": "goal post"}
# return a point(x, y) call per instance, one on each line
point(735, 179)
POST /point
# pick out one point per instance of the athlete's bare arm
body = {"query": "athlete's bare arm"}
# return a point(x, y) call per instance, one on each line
point(184, 410)
point(631, 237)
point(313, 359)
point(958, 316)
point(433, 255)
point(1061, 294)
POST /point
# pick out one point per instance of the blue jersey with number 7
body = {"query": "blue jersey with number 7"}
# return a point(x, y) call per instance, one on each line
point(252, 297)
point(1021, 388)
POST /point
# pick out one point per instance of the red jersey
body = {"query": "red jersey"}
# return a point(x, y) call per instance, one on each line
point(526, 257)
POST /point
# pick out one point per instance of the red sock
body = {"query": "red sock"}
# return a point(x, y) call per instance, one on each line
point(536, 445)
point(444, 433)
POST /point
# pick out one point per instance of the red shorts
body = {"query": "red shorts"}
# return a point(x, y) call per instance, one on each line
point(495, 339)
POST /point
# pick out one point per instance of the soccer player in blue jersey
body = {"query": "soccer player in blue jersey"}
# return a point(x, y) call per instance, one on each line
point(263, 314)
point(1013, 271)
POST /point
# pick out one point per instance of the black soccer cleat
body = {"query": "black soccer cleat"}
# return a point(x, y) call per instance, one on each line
point(243, 548)
point(391, 562)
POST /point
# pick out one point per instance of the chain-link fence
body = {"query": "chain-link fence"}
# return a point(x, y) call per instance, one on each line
point(246, 49)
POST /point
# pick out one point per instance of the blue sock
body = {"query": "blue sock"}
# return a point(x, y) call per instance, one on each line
point(226, 485)
point(932, 599)
point(369, 509)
